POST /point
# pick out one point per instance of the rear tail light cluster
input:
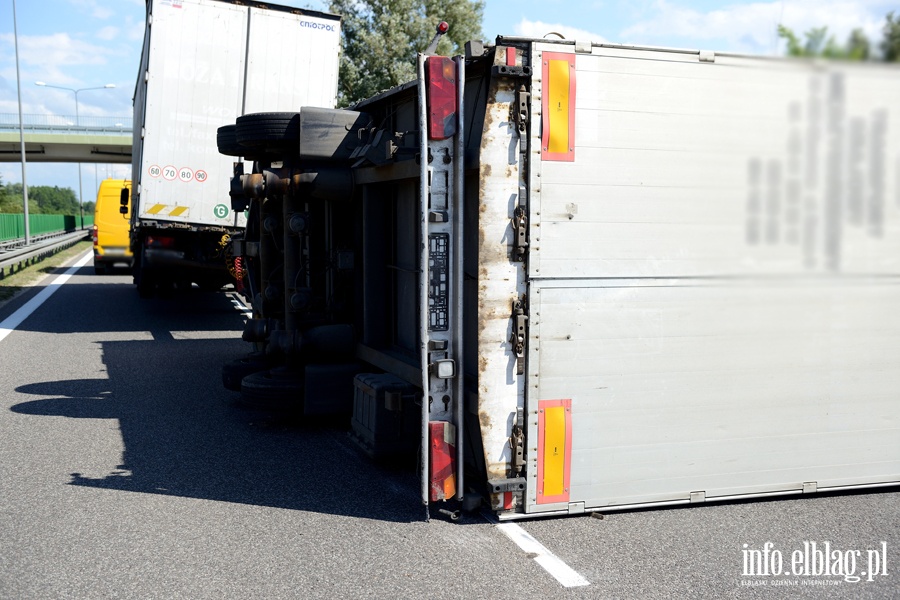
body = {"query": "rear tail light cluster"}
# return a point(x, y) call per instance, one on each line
point(160, 242)
point(94, 235)
point(440, 73)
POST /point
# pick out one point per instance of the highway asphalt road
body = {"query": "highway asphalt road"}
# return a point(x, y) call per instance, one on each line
point(127, 471)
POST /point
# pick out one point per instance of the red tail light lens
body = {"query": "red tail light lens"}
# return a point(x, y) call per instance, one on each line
point(94, 234)
point(440, 72)
point(160, 242)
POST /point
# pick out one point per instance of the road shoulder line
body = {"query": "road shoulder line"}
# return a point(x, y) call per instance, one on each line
point(14, 320)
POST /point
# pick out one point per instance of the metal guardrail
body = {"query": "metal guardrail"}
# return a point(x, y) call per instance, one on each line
point(66, 124)
point(13, 261)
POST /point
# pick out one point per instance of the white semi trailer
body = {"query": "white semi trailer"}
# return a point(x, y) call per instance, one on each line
point(204, 63)
point(590, 276)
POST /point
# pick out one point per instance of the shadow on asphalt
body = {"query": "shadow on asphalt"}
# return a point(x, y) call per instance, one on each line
point(182, 432)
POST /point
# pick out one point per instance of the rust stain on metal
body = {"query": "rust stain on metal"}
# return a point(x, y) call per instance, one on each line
point(496, 287)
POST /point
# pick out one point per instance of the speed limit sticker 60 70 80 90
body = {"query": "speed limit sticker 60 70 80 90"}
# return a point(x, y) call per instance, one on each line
point(184, 174)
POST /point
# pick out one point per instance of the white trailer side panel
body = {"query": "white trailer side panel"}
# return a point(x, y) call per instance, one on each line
point(742, 166)
point(292, 61)
point(717, 387)
point(713, 281)
point(194, 85)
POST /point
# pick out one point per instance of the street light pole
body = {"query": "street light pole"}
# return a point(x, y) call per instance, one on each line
point(21, 130)
point(77, 124)
point(74, 91)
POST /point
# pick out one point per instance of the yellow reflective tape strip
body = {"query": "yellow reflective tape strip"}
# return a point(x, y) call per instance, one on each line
point(554, 449)
point(558, 105)
point(178, 211)
point(156, 209)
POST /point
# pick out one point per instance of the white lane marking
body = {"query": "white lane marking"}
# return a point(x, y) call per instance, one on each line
point(14, 320)
point(227, 334)
point(563, 573)
point(238, 302)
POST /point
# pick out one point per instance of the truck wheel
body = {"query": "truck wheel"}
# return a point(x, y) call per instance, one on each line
point(143, 277)
point(226, 141)
point(235, 371)
point(274, 132)
point(99, 269)
point(281, 392)
point(146, 287)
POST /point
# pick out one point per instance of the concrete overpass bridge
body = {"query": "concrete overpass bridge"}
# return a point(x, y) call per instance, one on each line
point(61, 138)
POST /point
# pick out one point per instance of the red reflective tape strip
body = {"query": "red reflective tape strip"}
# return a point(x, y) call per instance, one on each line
point(507, 500)
point(558, 107)
point(443, 460)
point(554, 450)
point(510, 57)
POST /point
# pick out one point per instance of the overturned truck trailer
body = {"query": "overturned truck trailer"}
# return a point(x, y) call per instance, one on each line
point(587, 276)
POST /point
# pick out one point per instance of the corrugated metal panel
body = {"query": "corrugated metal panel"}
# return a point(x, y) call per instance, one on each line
point(12, 226)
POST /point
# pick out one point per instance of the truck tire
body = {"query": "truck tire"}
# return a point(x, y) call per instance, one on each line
point(233, 372)
point(142, 276)
point(226, 141)
point(280, 393)
point(272, 132)
point(146, 287)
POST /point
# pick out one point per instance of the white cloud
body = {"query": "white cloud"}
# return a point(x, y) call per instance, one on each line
point(752, 27)
point(108, 33)
point(539, 29)
point(97, 10)
point(57, 59)
point(60, 49)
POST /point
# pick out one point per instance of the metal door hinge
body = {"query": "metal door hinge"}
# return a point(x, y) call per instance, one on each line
point(518, 338)
point(517, 443)
point(520, 234)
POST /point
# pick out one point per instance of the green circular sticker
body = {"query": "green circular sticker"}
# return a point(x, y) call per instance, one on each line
point(221, 211)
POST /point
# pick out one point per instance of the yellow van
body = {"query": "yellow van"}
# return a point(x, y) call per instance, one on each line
point(110, 231)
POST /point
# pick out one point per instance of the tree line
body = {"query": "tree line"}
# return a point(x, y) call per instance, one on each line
point(380, 39)
point(817, 43)
point(42, 199)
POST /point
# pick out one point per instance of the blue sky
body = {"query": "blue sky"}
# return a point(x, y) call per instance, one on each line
point(87, 43)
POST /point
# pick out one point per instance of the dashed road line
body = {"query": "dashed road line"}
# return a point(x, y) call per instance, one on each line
point(563, 573)
point(238, 302)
